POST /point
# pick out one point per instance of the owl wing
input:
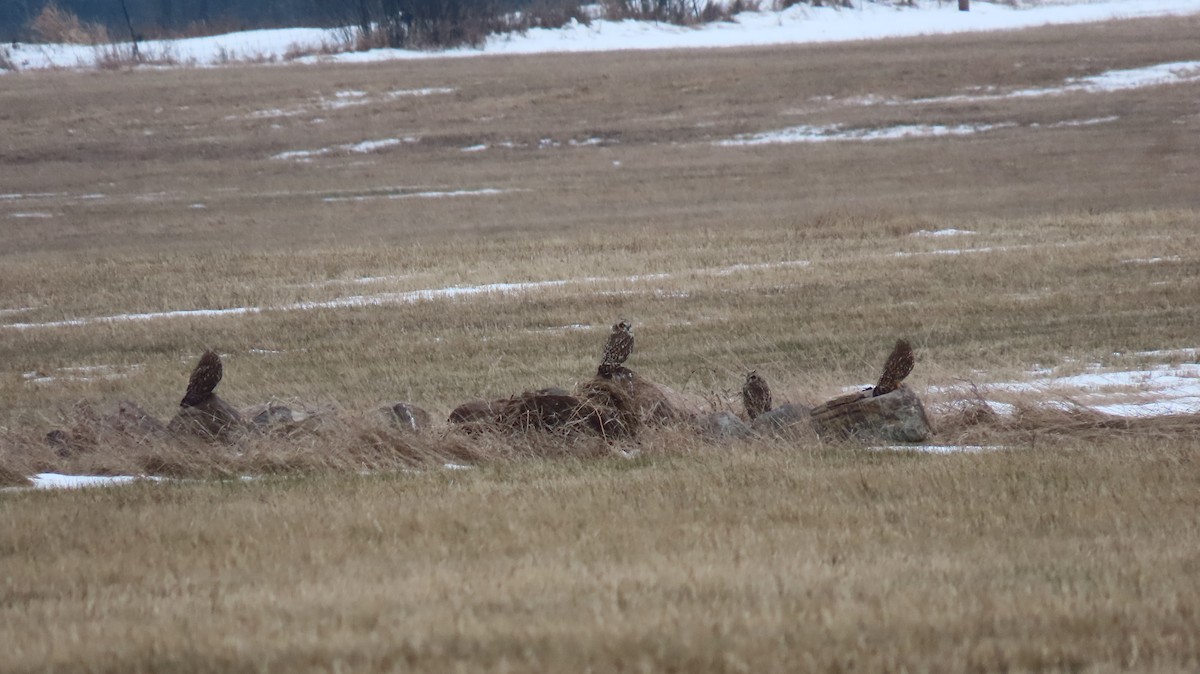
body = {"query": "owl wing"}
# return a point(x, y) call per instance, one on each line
point(204, 379)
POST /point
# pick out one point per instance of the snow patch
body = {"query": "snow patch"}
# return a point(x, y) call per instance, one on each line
point(34, 215)
point(433, 194)
point(1152, 260)
point(1156, 391)
point(834, 133)
point(451, 292)
point(943, 232)
point(58, 481)
point(362, 147)
point(941, 449)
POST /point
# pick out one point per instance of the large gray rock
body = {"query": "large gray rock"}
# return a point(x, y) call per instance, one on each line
point(724, 425)
point(897, 416)
point(787, 420)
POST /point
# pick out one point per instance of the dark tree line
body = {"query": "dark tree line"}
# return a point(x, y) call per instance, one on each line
point(381, 23)
point(402, 21)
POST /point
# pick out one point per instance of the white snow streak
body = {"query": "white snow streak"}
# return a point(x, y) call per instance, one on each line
point(835, 132)
point(407, 297)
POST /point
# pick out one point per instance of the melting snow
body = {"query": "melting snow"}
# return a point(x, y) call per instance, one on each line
point(1110, 81)
point(951, 251)
point(943, 232)
point(942, 449)
point(31, 215)
point(372, 145)
point(362, 147)
point(1084, 122)
point(835, 132)
point(400, 297)
point(340, 100)
point(1156, 391)
point(1152, 260)
point(433, 194)
point(83, 373)
point(57, 481)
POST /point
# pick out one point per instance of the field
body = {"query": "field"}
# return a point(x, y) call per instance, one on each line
point(336, 231)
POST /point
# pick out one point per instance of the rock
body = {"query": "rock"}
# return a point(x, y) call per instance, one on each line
point(897, 416)
point(213, 419)
point(724, 425)
point(269, 415)
point(407, 416)
point(786, 420)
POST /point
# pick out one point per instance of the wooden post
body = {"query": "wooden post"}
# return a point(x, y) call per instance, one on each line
point(964, 5)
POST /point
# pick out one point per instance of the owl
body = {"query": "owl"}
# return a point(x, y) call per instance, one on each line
point(616, 352)
point(204, 379)
point(756, 395)
point(899, 364)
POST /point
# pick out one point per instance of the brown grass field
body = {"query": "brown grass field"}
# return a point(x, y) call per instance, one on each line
point(1075, 549)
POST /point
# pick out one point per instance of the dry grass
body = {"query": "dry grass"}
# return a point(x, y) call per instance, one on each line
point(1062, 559)
point(57, 25)
point(1074, 550)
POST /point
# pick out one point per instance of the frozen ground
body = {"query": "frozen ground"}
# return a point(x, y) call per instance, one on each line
point(798, 24)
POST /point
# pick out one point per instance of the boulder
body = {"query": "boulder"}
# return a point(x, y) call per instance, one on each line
point(787, 420)
point(896, 416)
point(724, 425)
point(407, 416)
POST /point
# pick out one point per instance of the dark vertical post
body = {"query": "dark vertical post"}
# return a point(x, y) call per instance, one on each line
point(132, 35)
point(964, 5)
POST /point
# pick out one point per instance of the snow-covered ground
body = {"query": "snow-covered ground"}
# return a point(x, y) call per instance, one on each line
point(867, 20)
point(1125, 391)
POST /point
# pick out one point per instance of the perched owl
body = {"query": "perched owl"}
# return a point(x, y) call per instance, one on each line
point(899, 364)
point(204, 379)
point(616, 352)
point(756, 395)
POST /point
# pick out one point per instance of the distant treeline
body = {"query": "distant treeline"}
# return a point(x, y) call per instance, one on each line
point(164, 18)
point(394, 23)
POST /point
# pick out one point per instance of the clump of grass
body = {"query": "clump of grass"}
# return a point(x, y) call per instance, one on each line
point(57, 25)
